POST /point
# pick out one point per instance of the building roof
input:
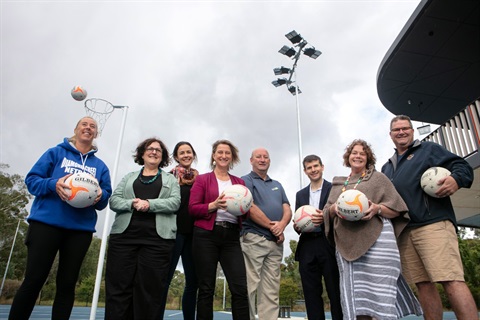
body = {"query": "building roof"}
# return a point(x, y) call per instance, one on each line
point(432, 70)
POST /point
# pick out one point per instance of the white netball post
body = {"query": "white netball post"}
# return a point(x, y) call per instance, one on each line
point(101, 110)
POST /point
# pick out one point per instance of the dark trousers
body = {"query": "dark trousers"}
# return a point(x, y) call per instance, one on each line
point(43, 242)
point(210, 247)
point(316, 261)
point(183, 248)
point(135, 278)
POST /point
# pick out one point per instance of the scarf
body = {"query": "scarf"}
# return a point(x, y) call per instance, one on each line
point(184, 176)
point(354, 239)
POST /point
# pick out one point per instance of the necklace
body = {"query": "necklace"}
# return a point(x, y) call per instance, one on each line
point(355, 187)
point(149, 181)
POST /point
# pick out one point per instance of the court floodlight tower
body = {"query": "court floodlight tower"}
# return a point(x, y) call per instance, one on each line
point(300, 43)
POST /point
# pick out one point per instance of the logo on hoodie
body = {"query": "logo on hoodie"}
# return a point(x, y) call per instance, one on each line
point(75, 167)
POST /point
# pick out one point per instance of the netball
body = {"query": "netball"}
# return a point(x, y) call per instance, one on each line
point(84, 189)
point(430, 178)
point(351, 205)
point(303, 219)
point(239, 199)
point(79, 93)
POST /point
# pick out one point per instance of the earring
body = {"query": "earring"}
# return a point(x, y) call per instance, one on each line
point(214, 163)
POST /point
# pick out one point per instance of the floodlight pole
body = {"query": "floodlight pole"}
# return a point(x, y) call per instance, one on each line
point(299, 133)
point(106, 226)
point(293, 73)
point(10, 256)
point(295, 38)
point(224, 290)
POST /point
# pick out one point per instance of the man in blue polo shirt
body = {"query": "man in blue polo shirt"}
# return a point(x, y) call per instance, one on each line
point(262, 237)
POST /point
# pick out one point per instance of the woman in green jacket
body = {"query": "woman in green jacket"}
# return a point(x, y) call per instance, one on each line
point(142, 236)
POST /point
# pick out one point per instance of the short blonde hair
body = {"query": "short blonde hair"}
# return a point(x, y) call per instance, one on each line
point(74, 137)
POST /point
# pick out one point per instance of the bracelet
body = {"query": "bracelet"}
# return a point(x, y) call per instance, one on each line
point(379, 212)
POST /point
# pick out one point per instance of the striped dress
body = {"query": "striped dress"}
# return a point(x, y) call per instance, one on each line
point(373, 285)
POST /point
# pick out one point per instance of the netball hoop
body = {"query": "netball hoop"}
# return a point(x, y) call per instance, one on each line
point(100, 110)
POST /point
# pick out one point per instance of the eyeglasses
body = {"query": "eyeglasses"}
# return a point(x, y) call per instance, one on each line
point(400, 129)
point(154, 149)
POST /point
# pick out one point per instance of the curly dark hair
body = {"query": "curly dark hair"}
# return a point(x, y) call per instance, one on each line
point(371, 160)
point(141, 148)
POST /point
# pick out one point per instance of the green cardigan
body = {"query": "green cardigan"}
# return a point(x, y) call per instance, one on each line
point(164, 206)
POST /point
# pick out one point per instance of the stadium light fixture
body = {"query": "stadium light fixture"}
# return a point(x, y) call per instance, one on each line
point(312, 53)
point(288, 51)
point(294, 37)
point(293, 90)
point(281, 70)
point(291, 83)
point(279, 82)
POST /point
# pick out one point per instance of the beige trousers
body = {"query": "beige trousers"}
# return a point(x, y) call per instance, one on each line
point(262, 261)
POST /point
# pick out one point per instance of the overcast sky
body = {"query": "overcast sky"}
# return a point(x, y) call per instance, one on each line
point(197, 71)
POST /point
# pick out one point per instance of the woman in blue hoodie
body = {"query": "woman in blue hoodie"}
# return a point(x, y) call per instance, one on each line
point(55, 226)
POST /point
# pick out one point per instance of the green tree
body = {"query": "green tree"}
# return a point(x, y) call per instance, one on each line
point(470, 252)
point(14, 197)
point(90, 262)
point(220, 284)
point(88, 272)
point(175, 291)
point(290, 267)
point(288, 291)
point(84, 291)
point(290, 274)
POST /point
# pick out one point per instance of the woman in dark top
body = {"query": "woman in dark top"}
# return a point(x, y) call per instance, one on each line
point(184, 155)
point(142, 237)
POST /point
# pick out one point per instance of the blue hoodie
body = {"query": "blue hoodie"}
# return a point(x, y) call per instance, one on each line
point(55, 163)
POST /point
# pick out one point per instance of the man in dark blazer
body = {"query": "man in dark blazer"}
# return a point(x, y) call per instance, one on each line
point(316, 256)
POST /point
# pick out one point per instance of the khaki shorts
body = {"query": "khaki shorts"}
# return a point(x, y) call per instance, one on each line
point(430, 253)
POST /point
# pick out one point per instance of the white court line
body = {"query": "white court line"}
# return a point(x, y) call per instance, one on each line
point(174, 314)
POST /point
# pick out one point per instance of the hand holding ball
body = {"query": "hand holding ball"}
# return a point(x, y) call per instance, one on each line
point(430, 178)
point(239, 199)
point(303, 219)
point(83, 190)
point(79, 93)
point(352, 204)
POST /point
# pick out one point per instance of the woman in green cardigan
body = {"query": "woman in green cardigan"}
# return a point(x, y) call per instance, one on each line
point(142, 236)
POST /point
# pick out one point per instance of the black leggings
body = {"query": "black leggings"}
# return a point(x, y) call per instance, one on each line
point(43, 242)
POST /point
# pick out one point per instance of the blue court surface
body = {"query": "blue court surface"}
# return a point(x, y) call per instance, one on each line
point(83, 313)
